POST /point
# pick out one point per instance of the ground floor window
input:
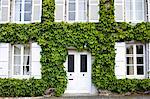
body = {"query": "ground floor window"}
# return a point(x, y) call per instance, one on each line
point(21, 59)
point(135, 59)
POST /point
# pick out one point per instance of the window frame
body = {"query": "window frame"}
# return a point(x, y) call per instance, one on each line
point(22, 13)
point(135, 75)
point(134, 12)
point(21, 75)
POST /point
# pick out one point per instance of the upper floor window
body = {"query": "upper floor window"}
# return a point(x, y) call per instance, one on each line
point(130, 10)
point(20, 11)
point(77, 10)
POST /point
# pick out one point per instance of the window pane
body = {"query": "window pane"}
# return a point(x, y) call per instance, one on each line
point(27, 50)
point(28, 6)
point(71, 15)
point(70, 63)
point(82, 10)
point(16, 70)
point(17, 49)
point(130, 60)
point(83, 63)
point(26, 70)
point(130, 70)
point(139, 60)
point(71, 6)
point(129, 49)
point(140, 70)
point(17, 60)
point(26, 60)
point(18, 9)
point(27, 16)
point(139, 49)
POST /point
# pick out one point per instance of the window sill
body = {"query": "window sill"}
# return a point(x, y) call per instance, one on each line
point(136, 76)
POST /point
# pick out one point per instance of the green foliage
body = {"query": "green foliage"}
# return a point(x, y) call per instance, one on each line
point(54, 38)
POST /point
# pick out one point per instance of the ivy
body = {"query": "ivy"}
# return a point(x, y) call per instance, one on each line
point(54, 38)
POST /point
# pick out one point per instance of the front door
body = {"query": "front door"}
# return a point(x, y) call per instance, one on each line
point(78, 67)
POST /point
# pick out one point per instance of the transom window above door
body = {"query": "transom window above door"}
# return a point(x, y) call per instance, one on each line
point(77, 10)
point(135, 59)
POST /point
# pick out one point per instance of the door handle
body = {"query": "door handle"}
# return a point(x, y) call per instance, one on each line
point(83, 74)
point(70, 79)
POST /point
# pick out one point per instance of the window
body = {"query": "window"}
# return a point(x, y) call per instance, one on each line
point(23, 10)
point(77, 10)
point(21, 60)
point(26, 11)
point(20, 11)
point(130, 10)
point(135, 59)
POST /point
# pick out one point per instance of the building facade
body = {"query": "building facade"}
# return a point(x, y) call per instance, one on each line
point(23, 61)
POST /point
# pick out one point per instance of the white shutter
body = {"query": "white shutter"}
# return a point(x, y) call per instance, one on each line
point(5, 11)
point(4, 60)
point(36, 10)
point(93, 10)
point(148, 60)
point(120, 60)
point(36, 65)
point(59, 10)
point(148, 10)
point(119, 10)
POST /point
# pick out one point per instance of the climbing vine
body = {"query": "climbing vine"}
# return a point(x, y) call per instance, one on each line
point(54, 38)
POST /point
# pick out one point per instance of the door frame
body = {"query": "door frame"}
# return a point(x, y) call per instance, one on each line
point(89, 70)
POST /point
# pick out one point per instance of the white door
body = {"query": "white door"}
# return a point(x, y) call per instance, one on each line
point(78, 67)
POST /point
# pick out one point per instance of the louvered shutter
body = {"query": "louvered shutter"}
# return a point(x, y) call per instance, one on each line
point(5, 11)
point(120, 60)
point(148, 10)
point(4, 60)
point(36, 65)
point(148, 60)
point(93, 10)
point(59, 10)
point(36, 10)
point(119, 10)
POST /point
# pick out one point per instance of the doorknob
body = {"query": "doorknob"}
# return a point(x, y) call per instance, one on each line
point(83, 74)
point(70, 74)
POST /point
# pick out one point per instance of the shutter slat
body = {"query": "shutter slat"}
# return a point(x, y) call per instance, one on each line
point(36, 10)
point(59, 10)
point(5, 11)
point(4, 59)
point(120, 60)
point(93, 10)
point(36, 65)
point(119, 10)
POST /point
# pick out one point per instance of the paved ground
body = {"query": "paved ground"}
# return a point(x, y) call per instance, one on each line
point(101, 97)
point(85, 97)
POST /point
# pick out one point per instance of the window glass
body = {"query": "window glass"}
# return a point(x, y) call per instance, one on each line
point(130, 60)
point(139, 49)
point(140, 70)
point(130, 70)
point(83, 62)
point(17, 49)
point(129, 49)
point(70, 63)
point(21, 59)
point(27, 10)
point(18, 10)
point(71, 10)
point(140, 60)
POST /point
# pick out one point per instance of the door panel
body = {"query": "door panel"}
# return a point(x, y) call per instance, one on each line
point(78, 67)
